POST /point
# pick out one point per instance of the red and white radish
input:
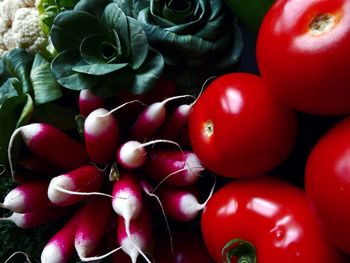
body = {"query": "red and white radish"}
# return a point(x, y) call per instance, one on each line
point(29, 197)
point(127, 202)
point(88, 102)
point(181, 204)
point(101, 136)
point(173, 167)
point(132, 154)
point(92, 226)
point(137, 238)
point(151, 119)
point(52, 145)
point(176, 123)
point(61, 246)
point(38, 218)
point(87, 178)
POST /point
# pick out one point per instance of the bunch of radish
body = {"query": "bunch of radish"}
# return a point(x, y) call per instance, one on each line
point(104, 182)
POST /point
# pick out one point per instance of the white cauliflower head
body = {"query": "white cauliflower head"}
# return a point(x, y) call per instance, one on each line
point(20, 26)
point(26, 30)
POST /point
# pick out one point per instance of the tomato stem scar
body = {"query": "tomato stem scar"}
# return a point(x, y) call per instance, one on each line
point(321, 24)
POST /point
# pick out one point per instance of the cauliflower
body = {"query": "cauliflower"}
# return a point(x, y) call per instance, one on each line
point(20, 26)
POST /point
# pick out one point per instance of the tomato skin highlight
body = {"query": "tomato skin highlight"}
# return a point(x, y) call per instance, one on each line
point(272, 215)
point(303, 53)
point(238, 130)
point(327, 183)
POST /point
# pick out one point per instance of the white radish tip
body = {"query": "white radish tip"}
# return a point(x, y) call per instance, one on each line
point(14, 200)
point(86, 94)
point(131, 155)
point(189, 206)
point(184, 109)
point(52, 254)
point(18, 219)
point(155, 111)
point(193, 167)
point(128, 246)
point(98, 122)
point(127, 205)
point(56, 196)
point(30, 131)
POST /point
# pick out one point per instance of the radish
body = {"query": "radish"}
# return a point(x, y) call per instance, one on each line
point(136, 237)
point(29, 197)
point(92, 226)
point(88, 102)
point(50, 144)
point(34, 219)
point(132, 154)
point(61, 246)
point(127, 202)
point(176, 123)
point(181, 204)
point(101, 136)
point(151, 119)
point(173, 167)
point(86, 178)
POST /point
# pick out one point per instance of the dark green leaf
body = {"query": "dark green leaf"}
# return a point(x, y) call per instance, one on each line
point(92, 6)
point(178, 11)
point(44, 83)
point(62, 68)
point(11, 88)
point(149, 73)
point(96, 49)
point(114, 18)
point(19, 63)
point(99, 69)
point(14, 112)
point(71, 27)
point(138, 43)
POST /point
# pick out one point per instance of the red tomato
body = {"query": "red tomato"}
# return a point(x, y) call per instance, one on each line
point(267, 218)
point(238, 130)
point(303, 54)
point(327, 183)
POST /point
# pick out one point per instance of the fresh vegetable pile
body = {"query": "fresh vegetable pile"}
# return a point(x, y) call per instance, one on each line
point(142, 131)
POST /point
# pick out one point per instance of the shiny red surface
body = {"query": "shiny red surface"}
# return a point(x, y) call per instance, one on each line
point(271, 214)
point(305, 70)
point(327, 183)
point(251, 132)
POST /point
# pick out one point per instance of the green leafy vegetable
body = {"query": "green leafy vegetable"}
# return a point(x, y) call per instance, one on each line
point(250, 12)
point(109, 54)
point(49, 9)
point(195, 37)
point(14, 112)
point(28, 74)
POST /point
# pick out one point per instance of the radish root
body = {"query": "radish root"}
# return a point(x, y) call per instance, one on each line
point(121, 106)
point(58, 188)
point(88, 259)
point(12, 139)
point(151, 194)
point(16, 253)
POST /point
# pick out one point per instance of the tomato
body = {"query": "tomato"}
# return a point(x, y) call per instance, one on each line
point(303, 54)
point(327, 183)
point(237, 129)
point(267, 219)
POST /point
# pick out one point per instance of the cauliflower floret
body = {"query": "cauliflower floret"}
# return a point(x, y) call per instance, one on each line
point(26, 30)
point(9, 9)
